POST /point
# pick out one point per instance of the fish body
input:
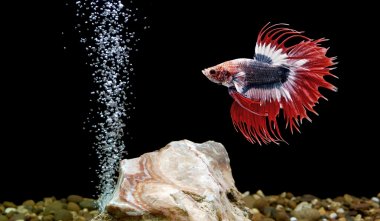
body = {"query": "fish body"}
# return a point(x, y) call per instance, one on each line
point(277, 77)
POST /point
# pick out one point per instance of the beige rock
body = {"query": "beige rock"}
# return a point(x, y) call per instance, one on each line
point(182, 181)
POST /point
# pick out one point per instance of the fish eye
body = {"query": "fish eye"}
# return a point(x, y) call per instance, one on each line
point(212, 72)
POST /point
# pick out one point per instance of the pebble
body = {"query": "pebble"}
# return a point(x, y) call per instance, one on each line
point(74, 198)
point(29, 203)
point(307, 213)
point(62, 214)
point(322, 211)
point(267, 219)
point(315, 201)
point(22, 209)
point(269, 211)
point(340, 210)
point(260, 193)
point(348, 198)
point(308, 197)
point(10, 209)
point(248, 200)
point(3, 218)
point(9, 204)
point(333, 215)
point(52, 207)
point(254, 211)
point(48, 218)
point(361, 206)
point(289, 195)
point(375, 199)
point(257, 216)
point(88, 203)
point(302, 206)
point(48, 200)
point(80, 218)
point(94, 213)
point(73, 206)
point(292, 204)
point(293, 219)
point(17, 217)
point(281, 216)
point(358, 217)
point(260, 204)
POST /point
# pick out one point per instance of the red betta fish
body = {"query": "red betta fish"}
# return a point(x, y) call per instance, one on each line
point(278, 77)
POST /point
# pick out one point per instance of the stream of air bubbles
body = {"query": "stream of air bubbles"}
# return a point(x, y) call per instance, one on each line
point(108, 42)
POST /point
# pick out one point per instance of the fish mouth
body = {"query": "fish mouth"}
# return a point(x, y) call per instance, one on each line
point(204, 71)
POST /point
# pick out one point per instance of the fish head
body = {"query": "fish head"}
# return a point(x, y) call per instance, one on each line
point(219, 74)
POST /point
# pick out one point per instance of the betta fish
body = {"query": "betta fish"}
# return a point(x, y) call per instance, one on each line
point(278, 77)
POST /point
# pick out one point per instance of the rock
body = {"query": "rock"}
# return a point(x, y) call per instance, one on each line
point(182, 181)
point(18, 217)
point(340, 210)
point(74, 198)
point(38, 208)
point(281, 201)
point(2, 208)
point(281, 216)
point(267, 219)
point(73, 206)
point(260, 193)
point(48, 200)
point(269, 211)
point(62, 214)
point(257, 216)
point(81, 218)
point(8, 204)
point(322, 211)
point(304, 210)
point(248, 200)
point(3, 218)
point(88, 203)
point(260, 204)
point(48, 218)
point(361, 206)
point(289, 195)
point(22, 209)
point(333, 215)
point(302, 206)
point(29, 203)
point(9, 210)
point(292, 204)
point(308, 197)
point(54, 206)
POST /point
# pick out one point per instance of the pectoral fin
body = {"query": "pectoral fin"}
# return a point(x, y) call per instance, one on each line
point(239, 81)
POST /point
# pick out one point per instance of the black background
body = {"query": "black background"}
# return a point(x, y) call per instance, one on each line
point(45, 91)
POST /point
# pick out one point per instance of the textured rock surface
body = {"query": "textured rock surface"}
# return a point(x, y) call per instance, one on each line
point(182, 181)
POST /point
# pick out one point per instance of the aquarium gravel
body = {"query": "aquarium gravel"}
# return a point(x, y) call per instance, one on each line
point(282, 207)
